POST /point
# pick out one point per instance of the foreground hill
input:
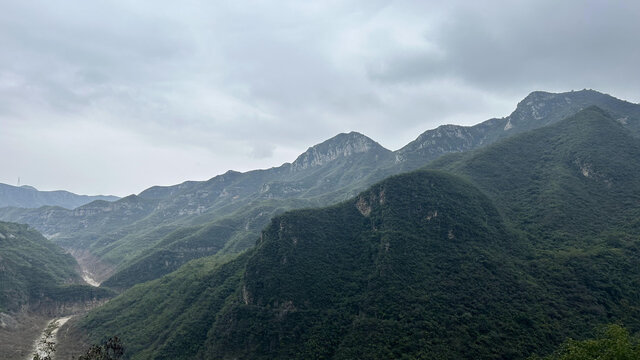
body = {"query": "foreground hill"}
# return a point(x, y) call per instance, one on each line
point(539, 244)
point(30, 197)
point(140, 238)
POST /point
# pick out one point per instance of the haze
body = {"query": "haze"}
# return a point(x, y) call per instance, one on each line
point(114, 97)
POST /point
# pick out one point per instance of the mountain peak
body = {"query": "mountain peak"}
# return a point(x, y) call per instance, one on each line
point(540, 108)
point(341, 145)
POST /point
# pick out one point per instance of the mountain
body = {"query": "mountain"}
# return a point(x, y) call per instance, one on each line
point(142, 237)
point(38, 280)
point(536, 110)
point(37, 275)
point(30, 264)
point(413, 256)
point(533, 240)
point(573, 178)
point(105, 236)
point(30, 197)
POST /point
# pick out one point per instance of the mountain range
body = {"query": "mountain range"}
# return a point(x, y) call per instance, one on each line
point(497, 253)
point(29, 197)
point(517, 233)
point(144, 236)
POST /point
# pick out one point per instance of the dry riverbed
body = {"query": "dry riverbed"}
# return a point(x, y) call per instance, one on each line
point(17, 334)
point(45, 345)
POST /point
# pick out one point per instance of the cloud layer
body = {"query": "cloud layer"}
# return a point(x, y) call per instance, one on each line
point(113, 97)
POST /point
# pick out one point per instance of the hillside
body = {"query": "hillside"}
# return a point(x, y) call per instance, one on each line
point(575, 178)
point(572, 189)
point(537, 110)
point(38, 280)
point(30, 197)
point(415, 255)
point(142, 237)
point(30, 266)
point(537, 245)
point(38, 275)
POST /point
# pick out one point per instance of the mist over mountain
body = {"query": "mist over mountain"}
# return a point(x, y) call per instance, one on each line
point(29, 197)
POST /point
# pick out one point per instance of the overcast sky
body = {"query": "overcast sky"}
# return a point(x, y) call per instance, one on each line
point(115, 96)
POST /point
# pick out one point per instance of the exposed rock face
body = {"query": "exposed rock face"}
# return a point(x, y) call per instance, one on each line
point(54, 308)
point(342, 145)
point(538, 109)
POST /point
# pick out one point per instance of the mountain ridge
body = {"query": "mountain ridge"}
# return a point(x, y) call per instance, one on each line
point(171, 225)
point(502, 257)
point(26, 196)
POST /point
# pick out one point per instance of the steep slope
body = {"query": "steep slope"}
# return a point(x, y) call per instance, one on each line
point(573, 189)
point(576, 177)
point(30, 197)
point(38, 281)
point(378, 277)
point(240, 225)
point(405, 265)
point(30, 265)
point(140, 232)
point(537, 110)
point(38, 276)
point(421, 265)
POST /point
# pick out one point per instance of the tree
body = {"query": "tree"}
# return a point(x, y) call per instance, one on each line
point(111, 349)
point(614, 343)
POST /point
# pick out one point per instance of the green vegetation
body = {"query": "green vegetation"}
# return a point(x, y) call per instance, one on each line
point(140, 238)
point(169, 316)
point(416, 255)
point(577, 177)
point(111, 349)
point(35, 272)
point(534, 240)
point(614, 343)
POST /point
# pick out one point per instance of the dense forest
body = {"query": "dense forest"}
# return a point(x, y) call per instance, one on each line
point(525, 243)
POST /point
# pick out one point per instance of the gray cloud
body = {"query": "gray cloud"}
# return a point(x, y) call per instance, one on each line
point(117, 96)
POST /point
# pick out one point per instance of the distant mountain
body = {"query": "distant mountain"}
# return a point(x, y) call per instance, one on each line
point(539, 243)
point(29, 197)
point(142, 237)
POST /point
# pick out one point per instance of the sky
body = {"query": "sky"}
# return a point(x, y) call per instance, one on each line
point(112, 97)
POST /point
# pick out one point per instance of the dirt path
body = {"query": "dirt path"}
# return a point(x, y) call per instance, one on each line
point(45, 344)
